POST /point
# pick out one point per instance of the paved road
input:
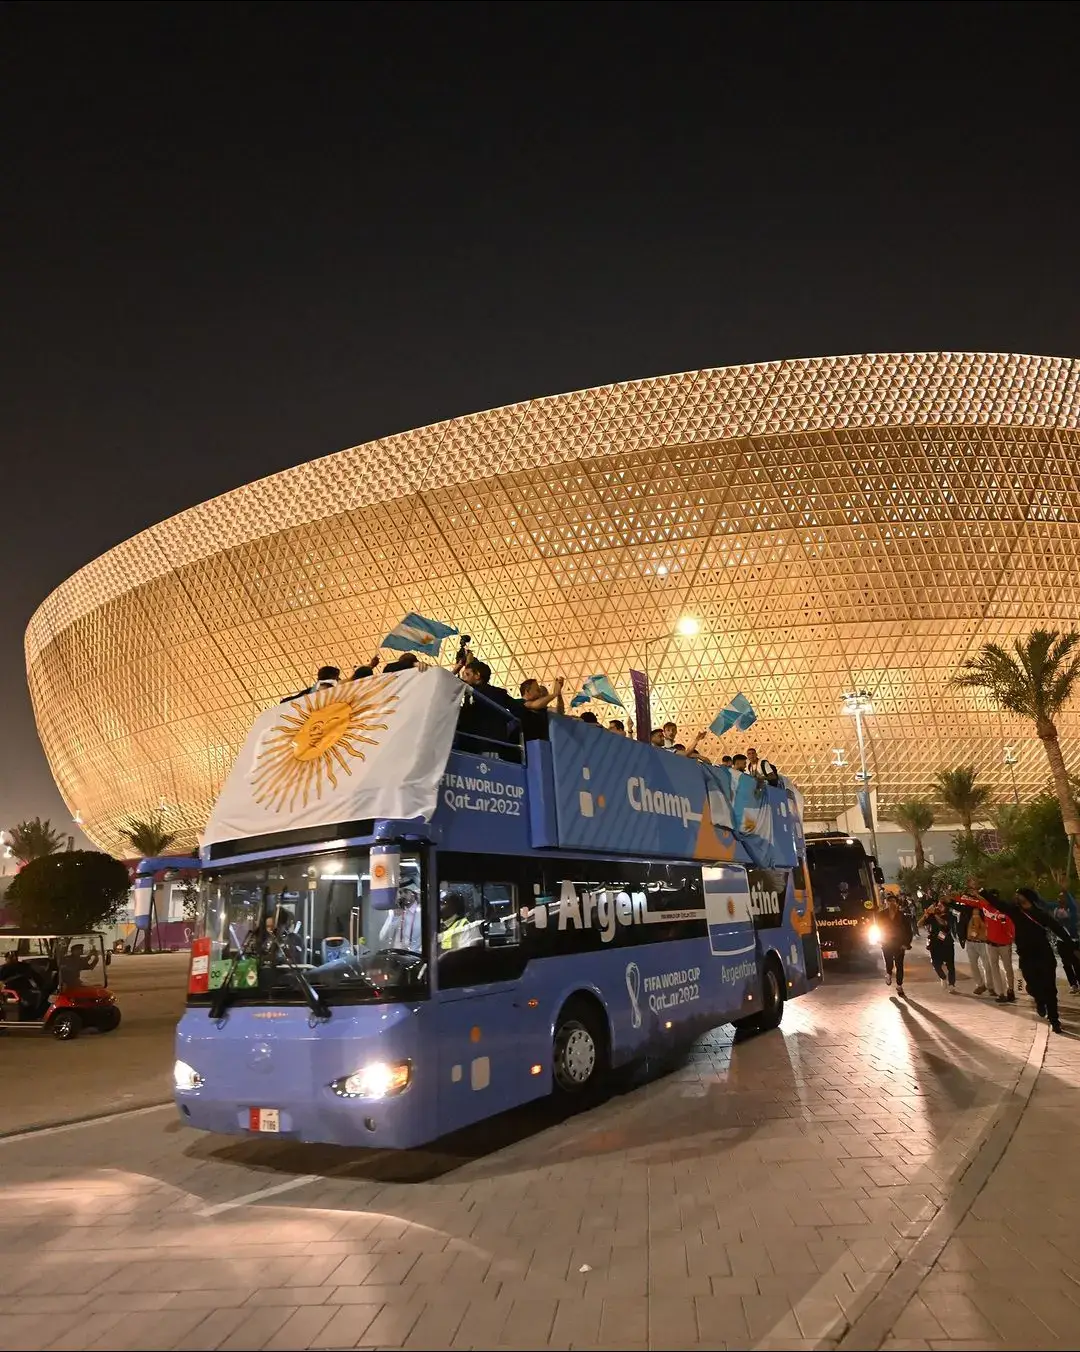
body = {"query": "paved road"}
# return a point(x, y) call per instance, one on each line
point(777, 1192)
point(60, 1081)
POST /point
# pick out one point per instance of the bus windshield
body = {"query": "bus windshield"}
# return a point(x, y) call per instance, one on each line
point(840, 874)
point(266, 921)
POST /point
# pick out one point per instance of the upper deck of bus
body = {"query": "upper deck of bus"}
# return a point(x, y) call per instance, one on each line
point(582, 790)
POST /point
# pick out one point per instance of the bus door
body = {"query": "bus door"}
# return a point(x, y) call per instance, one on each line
point(484, 1026)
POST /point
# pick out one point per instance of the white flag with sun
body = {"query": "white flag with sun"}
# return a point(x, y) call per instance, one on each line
point(371, 748)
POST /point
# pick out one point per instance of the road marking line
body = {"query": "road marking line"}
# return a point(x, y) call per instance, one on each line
point(36, 1133)
point(273, 1191)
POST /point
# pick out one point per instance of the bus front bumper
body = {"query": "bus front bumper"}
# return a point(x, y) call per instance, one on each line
point(358, 1079)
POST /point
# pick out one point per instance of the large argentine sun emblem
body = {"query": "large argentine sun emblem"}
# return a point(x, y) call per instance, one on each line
point(318, 736)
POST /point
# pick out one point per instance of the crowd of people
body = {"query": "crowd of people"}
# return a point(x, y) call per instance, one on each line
point(991, 930)
point(490, 716)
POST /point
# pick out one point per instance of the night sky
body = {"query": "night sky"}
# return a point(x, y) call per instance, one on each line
point(235, 237)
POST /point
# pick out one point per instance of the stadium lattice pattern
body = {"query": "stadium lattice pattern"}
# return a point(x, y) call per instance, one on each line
point(856, 522)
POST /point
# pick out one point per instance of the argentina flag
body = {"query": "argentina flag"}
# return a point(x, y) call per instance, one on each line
point(597, 687)
point(417, 633)
point(737, 714)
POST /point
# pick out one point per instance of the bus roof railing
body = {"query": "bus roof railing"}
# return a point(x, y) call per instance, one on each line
point(512, 719)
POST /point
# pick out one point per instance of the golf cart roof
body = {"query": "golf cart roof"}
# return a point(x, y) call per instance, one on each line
point(6, 933)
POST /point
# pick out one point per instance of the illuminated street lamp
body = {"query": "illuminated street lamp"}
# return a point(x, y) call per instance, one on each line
point(686, 626)
point(1011, 760)
point(856, 704)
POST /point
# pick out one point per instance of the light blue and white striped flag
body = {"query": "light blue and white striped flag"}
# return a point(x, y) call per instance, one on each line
point(417, 633)
point(738, 714)
point(597, 687)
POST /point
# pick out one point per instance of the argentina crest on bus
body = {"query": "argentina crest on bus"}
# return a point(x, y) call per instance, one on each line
point(376, 747)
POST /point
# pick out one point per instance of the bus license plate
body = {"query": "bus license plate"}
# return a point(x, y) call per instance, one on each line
point(829, 953)
point(265, 1119)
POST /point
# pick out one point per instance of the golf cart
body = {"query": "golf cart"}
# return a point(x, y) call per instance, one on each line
point(56, 983)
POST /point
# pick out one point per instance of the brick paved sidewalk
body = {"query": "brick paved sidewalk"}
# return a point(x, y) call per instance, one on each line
point(1010, 1276)
point(751, 1197)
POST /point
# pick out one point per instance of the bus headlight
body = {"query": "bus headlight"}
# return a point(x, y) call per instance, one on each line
point(379, 1080)
point(186, 1077)
point(873, 936)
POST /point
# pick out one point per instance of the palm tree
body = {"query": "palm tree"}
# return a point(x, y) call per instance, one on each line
point(33, 840)
point(1035, 680)
point(149, 838)
point(956, 789)
point(915, 816)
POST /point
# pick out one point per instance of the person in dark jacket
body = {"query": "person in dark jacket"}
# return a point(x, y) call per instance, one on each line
point(896, 939)
point(324, 677)
point(1065, 914)
point(1038, 962)
point(938, 925)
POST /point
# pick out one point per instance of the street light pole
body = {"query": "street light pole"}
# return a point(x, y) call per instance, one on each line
point(1010, 761)
point(686, 627)
point(857, 703)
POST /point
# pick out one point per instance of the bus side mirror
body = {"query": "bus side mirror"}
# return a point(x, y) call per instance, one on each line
point(879, 876)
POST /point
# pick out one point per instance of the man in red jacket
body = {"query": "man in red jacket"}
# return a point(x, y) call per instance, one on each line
point(1000, 933)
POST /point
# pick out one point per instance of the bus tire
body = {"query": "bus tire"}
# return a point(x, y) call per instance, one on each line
point(579, 1053)
point(772, 996)
point(772, 1002)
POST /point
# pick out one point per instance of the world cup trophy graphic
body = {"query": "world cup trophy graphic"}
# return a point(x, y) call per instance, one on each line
point(633, 988)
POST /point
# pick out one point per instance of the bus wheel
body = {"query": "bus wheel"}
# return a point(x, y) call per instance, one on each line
point(579, 1052)
point(772, 997)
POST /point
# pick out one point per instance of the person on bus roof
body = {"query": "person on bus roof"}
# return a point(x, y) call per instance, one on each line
point(538, 702)
point(323, 677)
point(479, 722)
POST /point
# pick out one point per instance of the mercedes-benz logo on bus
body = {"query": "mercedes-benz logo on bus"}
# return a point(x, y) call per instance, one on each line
point(261, 1057)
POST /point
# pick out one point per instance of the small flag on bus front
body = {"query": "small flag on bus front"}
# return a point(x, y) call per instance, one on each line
point(385, 876)
point(416, 632)
point(737, 714)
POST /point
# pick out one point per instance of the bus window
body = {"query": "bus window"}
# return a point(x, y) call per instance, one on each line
point(479, 933)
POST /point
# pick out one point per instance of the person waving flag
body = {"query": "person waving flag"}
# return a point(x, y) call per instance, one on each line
point(417, 634)
point(597, 687)
point(737, 714)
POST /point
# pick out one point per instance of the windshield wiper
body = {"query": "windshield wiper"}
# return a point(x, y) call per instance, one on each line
point(318, 1005)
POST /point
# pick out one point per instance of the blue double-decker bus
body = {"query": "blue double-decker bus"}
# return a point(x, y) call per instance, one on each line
point(559, 909)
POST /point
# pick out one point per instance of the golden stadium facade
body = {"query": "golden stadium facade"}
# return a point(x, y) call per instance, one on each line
point(854, 522)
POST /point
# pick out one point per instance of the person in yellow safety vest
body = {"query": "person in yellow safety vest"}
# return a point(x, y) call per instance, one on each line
point(456, 930)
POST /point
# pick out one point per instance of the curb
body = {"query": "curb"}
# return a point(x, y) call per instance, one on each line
point(88, 1119)
point(874, 1323)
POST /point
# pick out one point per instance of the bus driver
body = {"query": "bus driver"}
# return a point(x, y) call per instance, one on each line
point(456, 930)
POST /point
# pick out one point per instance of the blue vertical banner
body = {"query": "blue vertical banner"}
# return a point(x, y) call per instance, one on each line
point(639, 683)
point(863, 795)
